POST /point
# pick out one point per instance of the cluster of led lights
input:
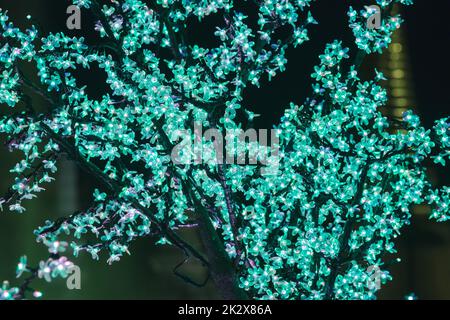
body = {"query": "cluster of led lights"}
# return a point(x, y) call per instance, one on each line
point(318, 229)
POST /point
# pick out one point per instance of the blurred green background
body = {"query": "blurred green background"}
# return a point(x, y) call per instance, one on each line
point(147, 273)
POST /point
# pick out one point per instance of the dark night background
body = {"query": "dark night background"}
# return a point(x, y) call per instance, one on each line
point(424, 246)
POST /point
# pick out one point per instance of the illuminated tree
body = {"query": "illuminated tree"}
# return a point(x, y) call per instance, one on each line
point(313, 220)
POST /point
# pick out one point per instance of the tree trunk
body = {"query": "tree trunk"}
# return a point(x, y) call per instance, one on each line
point(221, 269)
